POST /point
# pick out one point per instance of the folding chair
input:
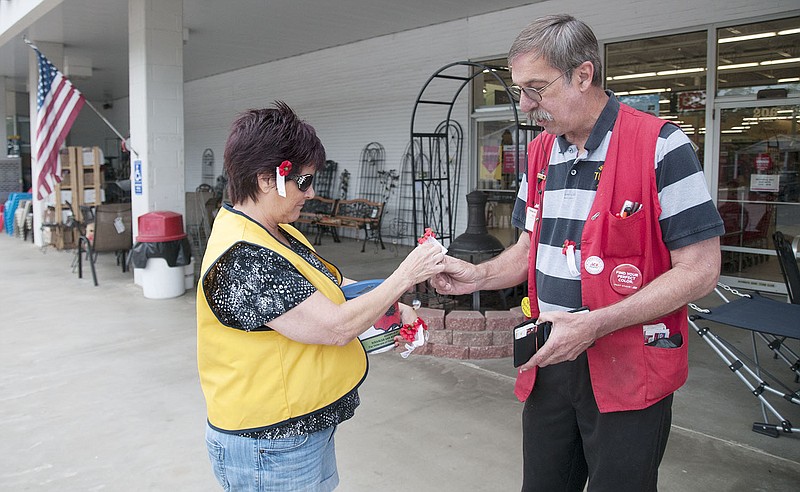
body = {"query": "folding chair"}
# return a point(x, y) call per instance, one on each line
point(772, 322)
point(112, 233)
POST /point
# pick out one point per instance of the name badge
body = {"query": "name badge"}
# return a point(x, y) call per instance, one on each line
point(531, 216)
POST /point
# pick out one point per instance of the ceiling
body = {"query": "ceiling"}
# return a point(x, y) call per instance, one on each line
point(222, 36)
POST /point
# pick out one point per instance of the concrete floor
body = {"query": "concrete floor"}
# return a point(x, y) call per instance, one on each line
point(99, 391)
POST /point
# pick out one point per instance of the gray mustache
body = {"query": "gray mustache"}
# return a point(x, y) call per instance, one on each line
point(540, 115)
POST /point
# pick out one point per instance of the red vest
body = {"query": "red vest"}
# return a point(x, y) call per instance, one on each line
point(626, 374)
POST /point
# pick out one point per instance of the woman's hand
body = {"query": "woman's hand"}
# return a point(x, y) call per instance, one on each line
point(408, 316)
point(422, 263)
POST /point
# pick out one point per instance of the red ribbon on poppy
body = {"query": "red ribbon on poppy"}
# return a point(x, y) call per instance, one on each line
point(568, 250)
point(285, 168)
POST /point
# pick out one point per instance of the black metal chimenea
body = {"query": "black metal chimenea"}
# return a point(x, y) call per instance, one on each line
point(476, 245)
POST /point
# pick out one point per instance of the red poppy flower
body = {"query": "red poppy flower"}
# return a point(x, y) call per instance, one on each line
point(428, 233)
point(285, 168)
point(409, 332)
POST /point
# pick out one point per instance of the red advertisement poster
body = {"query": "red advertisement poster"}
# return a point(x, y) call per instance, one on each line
point(763, 162)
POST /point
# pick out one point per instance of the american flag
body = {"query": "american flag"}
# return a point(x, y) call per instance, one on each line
point(58, 104)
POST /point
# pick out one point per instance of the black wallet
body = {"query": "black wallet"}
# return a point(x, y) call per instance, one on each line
point(529, 337)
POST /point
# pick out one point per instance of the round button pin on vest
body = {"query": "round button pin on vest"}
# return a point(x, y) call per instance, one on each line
point(526, 306)
point(626, 279)
point(594, 265)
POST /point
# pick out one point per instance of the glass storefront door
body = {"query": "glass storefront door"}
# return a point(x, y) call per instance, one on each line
point(758, 188)
point(500, 148)
point(497, 174)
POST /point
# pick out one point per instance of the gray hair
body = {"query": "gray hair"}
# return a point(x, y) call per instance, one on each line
point(563, 41)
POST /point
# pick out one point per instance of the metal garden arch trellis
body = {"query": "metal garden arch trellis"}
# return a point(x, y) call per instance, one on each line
point(433, 188)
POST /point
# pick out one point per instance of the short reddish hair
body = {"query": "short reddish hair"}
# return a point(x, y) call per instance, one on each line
point(259, 140)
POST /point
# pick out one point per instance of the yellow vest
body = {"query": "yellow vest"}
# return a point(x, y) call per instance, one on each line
point(258, 379)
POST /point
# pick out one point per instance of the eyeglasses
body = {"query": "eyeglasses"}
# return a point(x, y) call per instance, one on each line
point(303, 181)
point(533, 94)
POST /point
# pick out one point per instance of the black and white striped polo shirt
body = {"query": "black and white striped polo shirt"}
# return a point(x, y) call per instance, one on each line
point(688, 215)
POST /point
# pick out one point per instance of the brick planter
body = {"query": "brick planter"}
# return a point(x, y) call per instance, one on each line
point(468, 334)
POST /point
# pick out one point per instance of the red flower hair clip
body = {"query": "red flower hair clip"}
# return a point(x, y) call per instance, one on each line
point(285, 168)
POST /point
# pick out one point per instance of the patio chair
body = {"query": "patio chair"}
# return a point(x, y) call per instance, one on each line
point(777, 325)
point(112, 233)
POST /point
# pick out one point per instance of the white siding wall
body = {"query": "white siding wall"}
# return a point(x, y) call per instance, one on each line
point(352, 95)
point(614, 19)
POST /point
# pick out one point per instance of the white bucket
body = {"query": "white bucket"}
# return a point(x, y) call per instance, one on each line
point(160, 281)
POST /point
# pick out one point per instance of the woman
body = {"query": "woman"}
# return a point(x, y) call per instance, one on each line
point(278, 354)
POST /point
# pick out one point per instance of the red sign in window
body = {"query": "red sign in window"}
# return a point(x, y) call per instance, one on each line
point(763, 162)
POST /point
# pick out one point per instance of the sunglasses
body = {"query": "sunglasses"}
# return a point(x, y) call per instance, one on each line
point(303, 181)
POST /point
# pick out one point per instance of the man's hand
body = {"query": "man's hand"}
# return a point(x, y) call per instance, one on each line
point(459, 277)
point(508, 269)
point(571, 334)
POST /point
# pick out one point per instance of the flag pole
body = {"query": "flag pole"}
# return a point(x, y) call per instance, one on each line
point(110, 126)
point(86, 101)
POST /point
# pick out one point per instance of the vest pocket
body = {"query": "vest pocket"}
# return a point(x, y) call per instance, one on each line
point(667, 369)
point(622, 238)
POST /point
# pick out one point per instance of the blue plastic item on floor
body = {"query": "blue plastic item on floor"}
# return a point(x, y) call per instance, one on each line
point(11, 208)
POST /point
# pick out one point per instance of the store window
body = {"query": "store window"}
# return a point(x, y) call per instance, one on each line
point(757, 160)
point(758, 189)
point(488, 94)
point(664, 76)
point(761, 59)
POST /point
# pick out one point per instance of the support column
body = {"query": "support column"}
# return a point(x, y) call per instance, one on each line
point(155, 45)
point(55, 53)
point(3, 114)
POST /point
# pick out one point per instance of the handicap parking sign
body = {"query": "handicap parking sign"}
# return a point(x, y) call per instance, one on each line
point(137, 177)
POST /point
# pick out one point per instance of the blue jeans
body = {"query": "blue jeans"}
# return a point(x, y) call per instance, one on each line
point(300, 463)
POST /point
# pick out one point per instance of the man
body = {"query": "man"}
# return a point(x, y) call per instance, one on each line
point(619, 220)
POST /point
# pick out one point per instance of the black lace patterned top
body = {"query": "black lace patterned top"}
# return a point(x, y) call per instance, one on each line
point(251, 285)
